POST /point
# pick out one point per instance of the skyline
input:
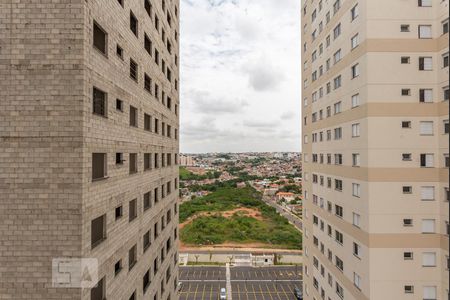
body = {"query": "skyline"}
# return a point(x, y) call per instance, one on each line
point(231, 51)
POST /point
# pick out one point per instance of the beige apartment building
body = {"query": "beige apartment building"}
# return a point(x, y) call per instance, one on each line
point(375, 149)
point(89, 148)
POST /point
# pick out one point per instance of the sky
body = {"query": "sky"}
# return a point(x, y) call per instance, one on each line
point(240, 76)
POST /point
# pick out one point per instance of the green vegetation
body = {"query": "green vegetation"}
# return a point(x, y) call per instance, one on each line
point(185, 174)
point(291, 188)
point(273, 230)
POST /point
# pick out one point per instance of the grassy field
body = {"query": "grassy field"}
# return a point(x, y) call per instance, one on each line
point(271, 229)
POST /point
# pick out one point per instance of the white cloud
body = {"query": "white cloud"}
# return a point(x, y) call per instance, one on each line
point(240, 75)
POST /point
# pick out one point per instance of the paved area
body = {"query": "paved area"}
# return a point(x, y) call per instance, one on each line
point(247, 283)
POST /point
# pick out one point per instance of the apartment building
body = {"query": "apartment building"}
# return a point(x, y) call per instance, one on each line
point(375, 149)
point(89, 147)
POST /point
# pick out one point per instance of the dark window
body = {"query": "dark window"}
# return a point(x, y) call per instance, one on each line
point(405, 59)
point(146, 281)
point(100, 38)
point(147, 122)
point(169, 103)
point(133, 163)
point(146, 240)
point(117, 267)
point(120, 2)
point(148, 7)
point(98, 166)
point(147, 161)
point(98, 292)
point(147, 201)
point(132, 210)
point(119, 212)
point(147, 83)
point(156, 23)
point(406, 124)
point(119, 158)
point(156, 160)
point(133, 70)
point(446, 127)
point(156, 56)
point(132, 257)
point(407, 189)
point(119, 104)
point(119, 52)
point(404, 28)
point(148, 44)
point(133, 23)
point(98, 231)
point(133, 116)
point(406, 92)
point(169, 75)
point(445, 27)
point(156, 125)
point(99, 102)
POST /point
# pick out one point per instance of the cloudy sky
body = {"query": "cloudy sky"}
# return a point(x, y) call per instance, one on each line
point(240, 75)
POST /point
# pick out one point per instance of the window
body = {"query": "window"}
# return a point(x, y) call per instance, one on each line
point(337, 107)
point(119, 105)
point(337, 31)
point(406, 92)
point(405, 60)
point(337, 56)
point(355, 160)
point(148, 7)
point(147, 44)
point(147, 122)
point(118, 212)
point(429, 259)
point(426, 63)
point(133, 163)
point(426, 128)
point(339, 211)
point(407, 189)
point(146, 240)
point(408, 255)
point(356, 190)
point(354, 12)
point(426, 160)
point(133, 116)
point(428, 225)
point(425, 32)
point(146, 281)
point(406, 124)
point(357, 280)
point(445, 60)
point(100, 39)
point(99, 292)
point(98, 231)
point(409, 289)
point(98, 166)
point(407, 222)
point(156, 160)
point(147, 161)
point(339, 291)
point(406, 156)
point(100, 106)
point(338, 184)
point(446, 93)
point(355, 41)
point(337, 82)
point(429, 293)
point(133, 24)
point(339, 263)
point(132, 257)
point(425, 3)
point(355, 100)
point(133, 70)
point(426, 95)
point(445, 27)
point(132, 214)
point(404, 28)
point(119, 52)
point(446, 127)
point(336, 6)
point(338, 159)
point(355, 71)
point(355, 130)
point(147, 83)
point(117, 267)
point(356, 220)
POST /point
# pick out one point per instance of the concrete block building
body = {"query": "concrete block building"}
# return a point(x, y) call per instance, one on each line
point(375, 149)
point(89, 120)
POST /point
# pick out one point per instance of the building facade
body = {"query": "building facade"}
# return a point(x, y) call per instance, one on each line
point(89, 141)
point(375, 149)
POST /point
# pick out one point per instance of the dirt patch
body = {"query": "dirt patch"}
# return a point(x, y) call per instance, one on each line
point(249, 212)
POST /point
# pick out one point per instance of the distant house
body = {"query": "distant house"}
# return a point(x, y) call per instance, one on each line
point(286, 196)
point(241, 185)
